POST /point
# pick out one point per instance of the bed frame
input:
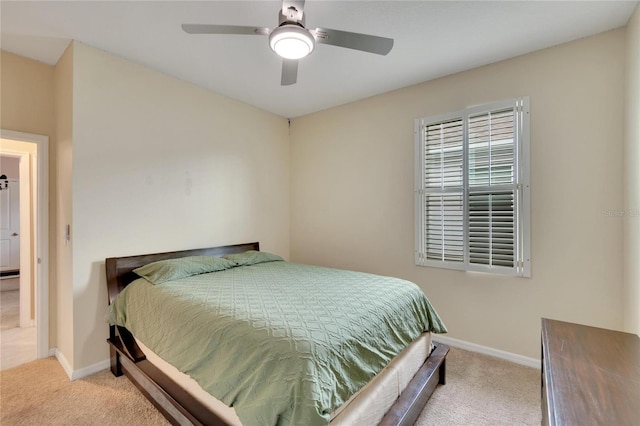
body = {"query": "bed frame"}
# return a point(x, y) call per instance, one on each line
point(178, 406)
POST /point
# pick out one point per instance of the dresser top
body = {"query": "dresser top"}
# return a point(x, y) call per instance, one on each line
point(592, 374)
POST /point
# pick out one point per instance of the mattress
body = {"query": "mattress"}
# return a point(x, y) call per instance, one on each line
point(366, 407)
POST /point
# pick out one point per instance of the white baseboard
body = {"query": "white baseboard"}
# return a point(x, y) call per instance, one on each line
point(456, 343)
point(64, 363)
point(474, 347)
point(8, 277)
point(87, 371)
point(83, 372)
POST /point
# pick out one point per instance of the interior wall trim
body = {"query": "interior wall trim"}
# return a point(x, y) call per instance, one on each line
point(486, 350)
point(82, 372)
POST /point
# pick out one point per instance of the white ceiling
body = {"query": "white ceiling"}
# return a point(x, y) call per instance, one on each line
point(432, 39)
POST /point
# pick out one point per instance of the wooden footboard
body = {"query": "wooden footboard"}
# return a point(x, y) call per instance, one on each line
point(180, 408)
point(175, 404)
point(411, 402)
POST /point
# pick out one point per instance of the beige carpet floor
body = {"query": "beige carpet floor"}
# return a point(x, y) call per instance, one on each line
point(9, 309)
point(484, 391)
point(480, 390)
point(17, 345)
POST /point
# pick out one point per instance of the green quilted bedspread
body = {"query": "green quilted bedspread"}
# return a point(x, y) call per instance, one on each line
point(282, 343)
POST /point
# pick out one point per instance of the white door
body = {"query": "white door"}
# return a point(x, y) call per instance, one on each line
point(9, 225)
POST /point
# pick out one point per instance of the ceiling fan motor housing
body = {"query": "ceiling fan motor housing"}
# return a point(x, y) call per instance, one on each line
point(291, 40)
point(291, 15)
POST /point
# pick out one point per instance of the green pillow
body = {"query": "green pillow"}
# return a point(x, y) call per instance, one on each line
point(251, 257)
point(173, 269)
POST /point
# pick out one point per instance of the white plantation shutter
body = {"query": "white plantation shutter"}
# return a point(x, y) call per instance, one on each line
point(444, 237)
point(491, 228)
point(472, 189)
point(492, 188)
point(443, 191)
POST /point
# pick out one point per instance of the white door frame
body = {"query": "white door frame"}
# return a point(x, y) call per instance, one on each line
point(41, 251)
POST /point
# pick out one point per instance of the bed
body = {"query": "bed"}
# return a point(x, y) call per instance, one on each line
point(182, 402)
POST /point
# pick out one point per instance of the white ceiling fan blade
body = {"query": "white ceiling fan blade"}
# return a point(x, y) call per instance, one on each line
point(364, 42)
point(289, 72)
point(224, 29)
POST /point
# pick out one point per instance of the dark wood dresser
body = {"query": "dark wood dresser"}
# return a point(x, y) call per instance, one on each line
point(590, 376)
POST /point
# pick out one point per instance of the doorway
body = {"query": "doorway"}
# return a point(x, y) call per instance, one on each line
point(31, 339)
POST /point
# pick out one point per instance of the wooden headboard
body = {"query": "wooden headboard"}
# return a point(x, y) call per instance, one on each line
point(120, 269)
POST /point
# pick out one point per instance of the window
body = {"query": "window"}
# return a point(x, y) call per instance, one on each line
point(472, 189)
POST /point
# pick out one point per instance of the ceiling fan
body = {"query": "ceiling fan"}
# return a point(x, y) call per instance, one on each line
point(292, 41)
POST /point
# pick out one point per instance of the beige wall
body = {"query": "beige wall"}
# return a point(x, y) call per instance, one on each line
point(27, 105)
point(145, 163)
point(27, 95)
point(632, 179)
point(352, 192)
point(158, 165)
point(64, 298)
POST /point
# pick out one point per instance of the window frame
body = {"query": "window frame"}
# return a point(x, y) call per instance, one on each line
point(520, 186)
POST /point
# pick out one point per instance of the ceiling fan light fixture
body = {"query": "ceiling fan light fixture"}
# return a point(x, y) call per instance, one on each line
point(291, 41)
